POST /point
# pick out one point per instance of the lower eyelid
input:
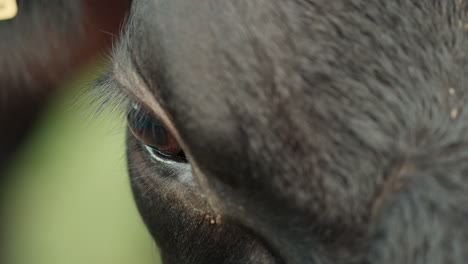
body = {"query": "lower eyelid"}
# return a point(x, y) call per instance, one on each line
point(185, 172)
point(156, 157)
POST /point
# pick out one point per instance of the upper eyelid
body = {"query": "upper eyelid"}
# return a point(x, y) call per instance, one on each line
point(140, 92)
point(125, 84)
point(111, 95)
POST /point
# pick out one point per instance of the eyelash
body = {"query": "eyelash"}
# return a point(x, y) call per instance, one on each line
point(137, 111)
point(105, 96)
point(145, 127)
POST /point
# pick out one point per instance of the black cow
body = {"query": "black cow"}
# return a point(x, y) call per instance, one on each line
point(302, 131)
point(46, 42)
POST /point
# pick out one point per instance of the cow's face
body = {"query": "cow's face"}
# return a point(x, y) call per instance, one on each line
point(267, 131)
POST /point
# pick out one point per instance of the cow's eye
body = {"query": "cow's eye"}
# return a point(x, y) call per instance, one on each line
point(151, 132)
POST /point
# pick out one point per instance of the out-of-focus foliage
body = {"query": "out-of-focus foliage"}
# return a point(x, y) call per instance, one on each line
point(69, 199)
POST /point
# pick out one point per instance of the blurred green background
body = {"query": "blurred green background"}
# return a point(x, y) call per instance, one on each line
point(69, 199)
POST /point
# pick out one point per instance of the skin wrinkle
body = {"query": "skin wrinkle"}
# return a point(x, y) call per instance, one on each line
point(392, 184)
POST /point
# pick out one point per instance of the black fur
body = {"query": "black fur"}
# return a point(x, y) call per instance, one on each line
point(317, 131)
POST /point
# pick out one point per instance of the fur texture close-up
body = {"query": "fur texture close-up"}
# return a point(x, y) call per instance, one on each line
point(296, 132)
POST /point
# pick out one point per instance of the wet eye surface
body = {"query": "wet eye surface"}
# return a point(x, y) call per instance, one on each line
point(152, 133)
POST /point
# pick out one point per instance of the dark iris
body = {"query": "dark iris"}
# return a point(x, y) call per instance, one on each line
point(151, 132)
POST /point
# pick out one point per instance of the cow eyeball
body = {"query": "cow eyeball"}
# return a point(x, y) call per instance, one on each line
point(151, 132)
